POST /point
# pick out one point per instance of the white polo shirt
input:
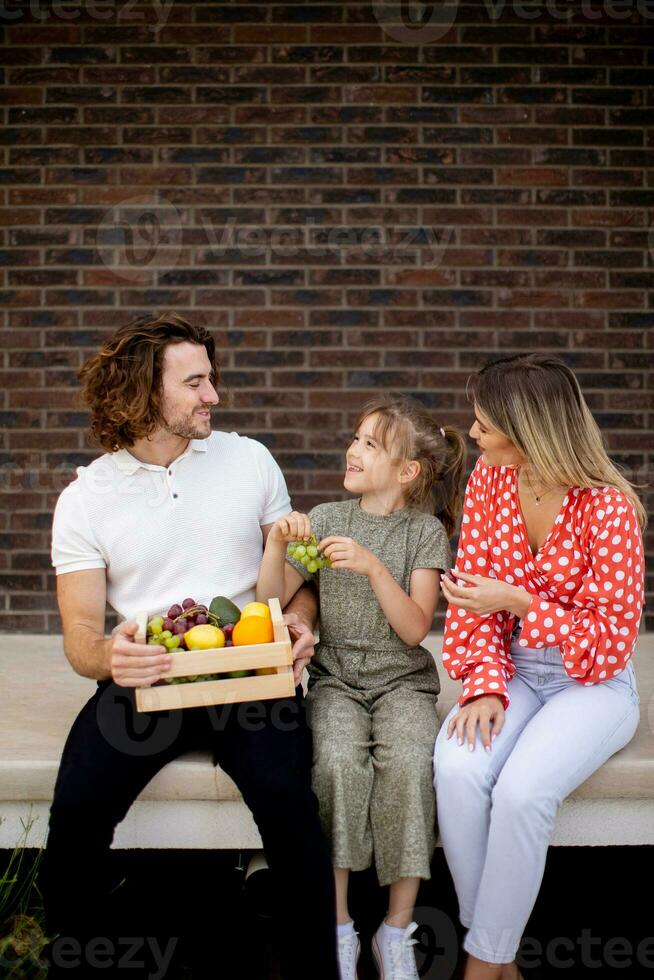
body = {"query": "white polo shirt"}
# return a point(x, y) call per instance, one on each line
point(165, 533)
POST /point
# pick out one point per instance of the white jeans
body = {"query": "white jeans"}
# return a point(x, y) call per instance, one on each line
point(496, 810)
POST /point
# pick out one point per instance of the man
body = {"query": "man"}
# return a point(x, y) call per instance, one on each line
point(173, 510)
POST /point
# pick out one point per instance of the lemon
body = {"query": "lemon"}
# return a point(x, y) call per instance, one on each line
point(256, 609)
point(205, 637)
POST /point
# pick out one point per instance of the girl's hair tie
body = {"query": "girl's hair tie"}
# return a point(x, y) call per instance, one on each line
point(442, 431)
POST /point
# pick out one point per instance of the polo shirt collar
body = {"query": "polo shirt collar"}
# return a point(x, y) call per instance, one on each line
point(129, 464)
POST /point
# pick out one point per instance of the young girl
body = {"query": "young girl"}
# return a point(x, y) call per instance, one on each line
point(372, 687)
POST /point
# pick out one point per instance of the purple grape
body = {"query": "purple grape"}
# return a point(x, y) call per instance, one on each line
point(228, 629)
point(203, 609)
point(174, 612)
point(188, 603)
point(180, 626)
point(229, 643)
point(169, 624)
point(182, 645)
point(201, 619)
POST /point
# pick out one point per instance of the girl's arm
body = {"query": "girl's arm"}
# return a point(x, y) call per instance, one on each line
point(410, 615)
point(276, 577)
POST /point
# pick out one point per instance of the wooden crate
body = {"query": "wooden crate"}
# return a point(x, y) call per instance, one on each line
point(277, 657)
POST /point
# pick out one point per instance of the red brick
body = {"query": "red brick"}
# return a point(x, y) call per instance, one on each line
point(319, 122)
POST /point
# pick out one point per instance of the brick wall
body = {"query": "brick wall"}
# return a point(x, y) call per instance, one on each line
point(351, 206)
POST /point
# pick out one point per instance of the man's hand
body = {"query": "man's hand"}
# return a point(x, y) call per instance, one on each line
point(303, 645)
point(346, 553)
point(487, 711)
point(484, 596)
point(135, 664)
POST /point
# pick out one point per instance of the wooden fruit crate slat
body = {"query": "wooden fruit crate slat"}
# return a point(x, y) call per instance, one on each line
point(205, 693)
point(232, 658)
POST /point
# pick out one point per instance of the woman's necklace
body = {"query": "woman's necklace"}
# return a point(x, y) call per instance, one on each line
point(537, 497)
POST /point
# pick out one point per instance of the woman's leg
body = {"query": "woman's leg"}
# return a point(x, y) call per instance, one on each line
point(464, 783)
point(573, 734)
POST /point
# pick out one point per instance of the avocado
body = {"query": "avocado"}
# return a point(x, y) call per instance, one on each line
point(224, 610)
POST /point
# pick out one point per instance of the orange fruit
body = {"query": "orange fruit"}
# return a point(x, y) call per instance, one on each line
point(252, 629)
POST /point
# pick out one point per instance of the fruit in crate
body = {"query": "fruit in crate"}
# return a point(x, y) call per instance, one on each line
point(204, 637)
point(308, 554)
point(192, 626)
point(256, 609)
point(224, 611)
point(252, 629)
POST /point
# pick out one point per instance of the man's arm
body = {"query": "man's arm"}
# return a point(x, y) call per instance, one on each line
point(305, 605)
point(82, 598)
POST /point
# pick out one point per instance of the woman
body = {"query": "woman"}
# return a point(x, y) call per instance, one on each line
point(543, 616)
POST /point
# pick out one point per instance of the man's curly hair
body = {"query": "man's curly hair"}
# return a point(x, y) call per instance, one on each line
point(122, 383)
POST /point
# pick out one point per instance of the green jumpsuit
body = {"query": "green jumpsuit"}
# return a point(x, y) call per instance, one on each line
point(372, 699)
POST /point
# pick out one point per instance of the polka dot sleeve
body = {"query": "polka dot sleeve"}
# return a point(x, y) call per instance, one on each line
point(597, 632)
point(473, 646)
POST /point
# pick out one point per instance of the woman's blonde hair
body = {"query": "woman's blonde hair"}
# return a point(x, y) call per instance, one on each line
point(536, 402)
point(408, 432)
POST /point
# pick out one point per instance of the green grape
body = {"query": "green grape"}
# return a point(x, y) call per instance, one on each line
point(166, 635)
point(172, 642)
point(156, 624)
point(309, 552)
point(155, 641)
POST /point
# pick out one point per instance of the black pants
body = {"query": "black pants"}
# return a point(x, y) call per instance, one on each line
point(112, 752)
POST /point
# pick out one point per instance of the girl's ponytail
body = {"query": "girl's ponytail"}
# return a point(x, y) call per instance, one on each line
point(450, 485)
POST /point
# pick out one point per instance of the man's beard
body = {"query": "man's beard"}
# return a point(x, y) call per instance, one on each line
point(186, 427)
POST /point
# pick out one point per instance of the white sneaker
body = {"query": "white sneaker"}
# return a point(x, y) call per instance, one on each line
point(349, 949)
point(395, 958)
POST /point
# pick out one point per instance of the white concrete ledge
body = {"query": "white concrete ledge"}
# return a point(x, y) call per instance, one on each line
point(192, 804)
point(210, 824)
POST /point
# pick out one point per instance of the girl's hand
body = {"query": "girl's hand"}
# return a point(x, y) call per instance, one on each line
point(291, 527)
point(484, 596)
point(346, 553)
point(487, 710)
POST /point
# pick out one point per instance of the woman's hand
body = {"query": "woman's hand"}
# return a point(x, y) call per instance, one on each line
point(346, 553)
point(484, 596)
point(487, 711)
point(291, 527)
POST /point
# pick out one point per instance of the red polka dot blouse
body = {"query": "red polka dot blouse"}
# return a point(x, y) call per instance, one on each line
point(586, 581)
